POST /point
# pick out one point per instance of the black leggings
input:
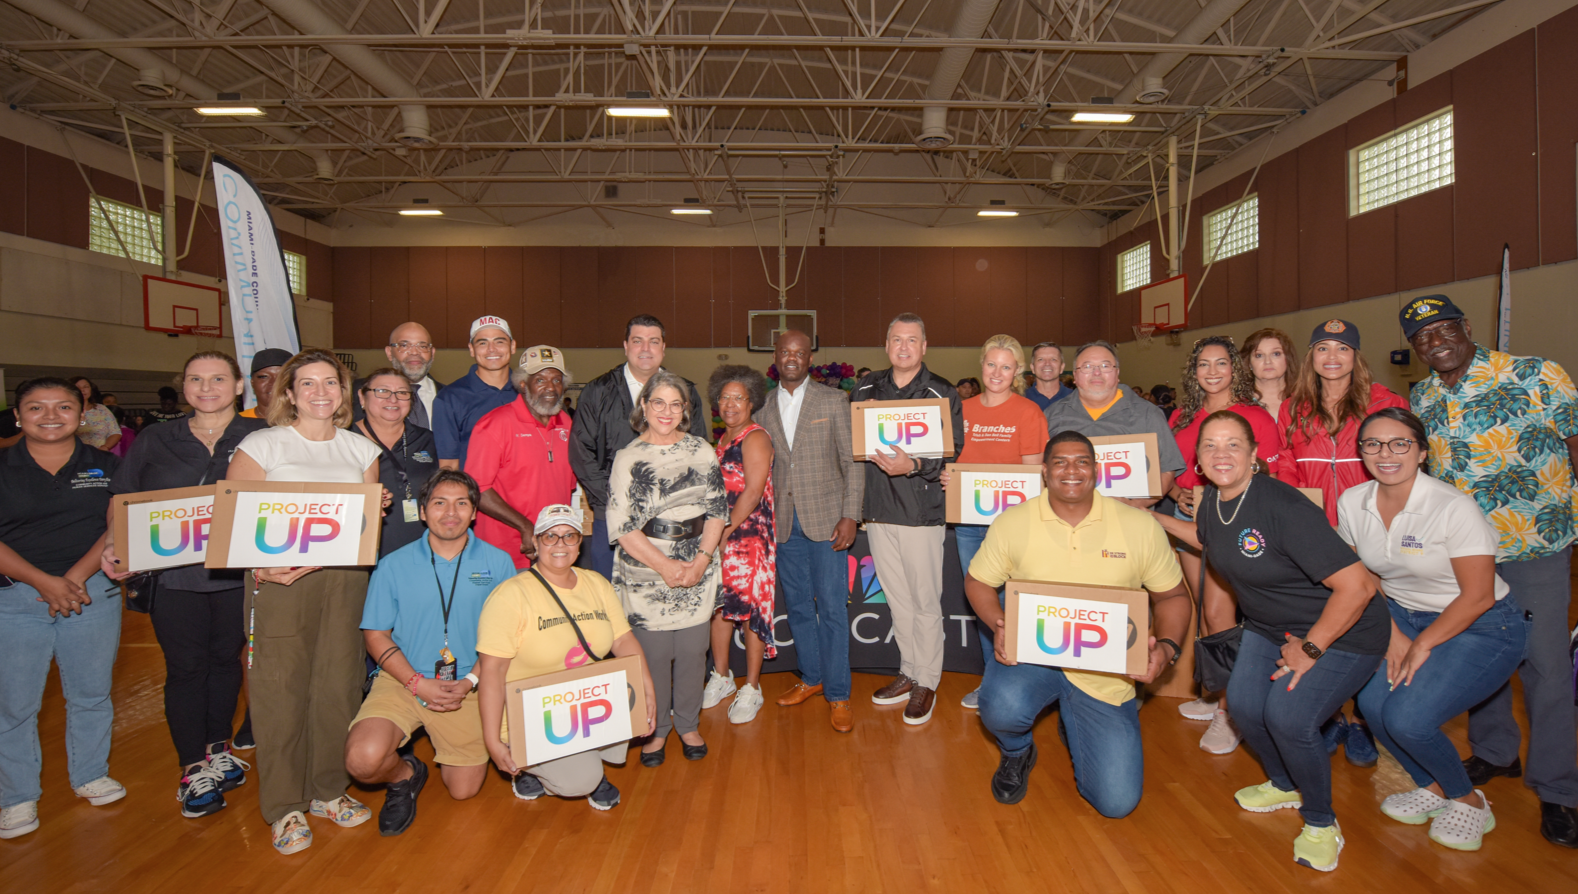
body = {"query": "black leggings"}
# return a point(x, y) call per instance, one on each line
point(202, 635)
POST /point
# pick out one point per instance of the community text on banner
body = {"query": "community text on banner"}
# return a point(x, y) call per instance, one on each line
point(262, 312)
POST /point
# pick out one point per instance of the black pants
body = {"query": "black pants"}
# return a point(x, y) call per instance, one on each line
point(202, 635)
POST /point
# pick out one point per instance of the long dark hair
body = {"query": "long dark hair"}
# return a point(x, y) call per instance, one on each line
point(1241, 387)
point(1309, 404)
point(95, 396)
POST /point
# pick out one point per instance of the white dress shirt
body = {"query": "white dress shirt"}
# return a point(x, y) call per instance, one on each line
point(426, 390)
point(634, 386)
point(789, 404)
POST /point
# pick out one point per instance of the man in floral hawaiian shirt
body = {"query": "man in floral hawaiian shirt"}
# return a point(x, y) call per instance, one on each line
point(1504, 430)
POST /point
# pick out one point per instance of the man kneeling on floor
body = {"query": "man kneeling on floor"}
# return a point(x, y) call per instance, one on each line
point(424, 638)
point(1074, 535)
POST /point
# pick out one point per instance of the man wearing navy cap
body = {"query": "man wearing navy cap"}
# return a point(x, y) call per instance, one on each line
point(479, 392)
point(1477, 397)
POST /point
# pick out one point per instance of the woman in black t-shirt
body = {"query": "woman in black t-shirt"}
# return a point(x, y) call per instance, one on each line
point(1314, 627)
point(55, 604)
point(408, 455)
point(197, 612)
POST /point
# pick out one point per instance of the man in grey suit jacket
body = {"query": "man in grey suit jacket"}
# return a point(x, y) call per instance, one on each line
point(817, 498)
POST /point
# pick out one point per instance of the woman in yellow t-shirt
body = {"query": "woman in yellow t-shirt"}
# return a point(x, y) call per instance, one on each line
point(523, 632)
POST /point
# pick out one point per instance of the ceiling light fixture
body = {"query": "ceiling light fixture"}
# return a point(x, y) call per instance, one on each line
point(637, 111)
point(691, 206)
point(238, 108)
point(1097, 117)
point(996, 210)
point(420, 208)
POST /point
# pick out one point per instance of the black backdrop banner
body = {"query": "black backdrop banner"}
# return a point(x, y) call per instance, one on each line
point(871, 643)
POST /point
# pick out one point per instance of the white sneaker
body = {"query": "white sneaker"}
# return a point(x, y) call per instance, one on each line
point(718, 688)
point(101, 791)
point(1200, 709)
point(746, 704)
point(1222, 737)
point(1414, 808)
point(1462, 827)
point(973, 700)
point(18, 820)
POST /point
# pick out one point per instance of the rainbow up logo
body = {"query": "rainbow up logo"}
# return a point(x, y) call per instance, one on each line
point(585, 707)
point(193, 524)
point(901, 427)
point(993, 495)
point(305, 523)
point(1074, 633)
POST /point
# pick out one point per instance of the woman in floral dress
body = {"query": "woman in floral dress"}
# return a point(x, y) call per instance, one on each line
point(745, 594)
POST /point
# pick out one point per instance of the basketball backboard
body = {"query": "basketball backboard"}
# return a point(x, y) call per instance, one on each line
point(181, 308)
point(1165, 304)
point(765, 325)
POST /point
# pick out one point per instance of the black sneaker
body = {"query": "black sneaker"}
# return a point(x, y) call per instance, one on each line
point(527, 787)
point(399, 810)
point(1012, 778)
point(232, 768)
point(199, 792)
point(1481, 771)
point(605, 798)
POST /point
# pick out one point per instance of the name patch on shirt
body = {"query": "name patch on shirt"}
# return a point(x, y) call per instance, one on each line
point(90, 478)
point(422, 456)
point(1108, 554)
point(1251, 543)
point(1412, 545)
point(482, 578)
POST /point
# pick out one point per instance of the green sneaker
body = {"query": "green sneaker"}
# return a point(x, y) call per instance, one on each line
point(1265, 797)
point(1318, 847)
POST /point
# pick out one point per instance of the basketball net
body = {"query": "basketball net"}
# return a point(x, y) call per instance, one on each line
point(1142, 334)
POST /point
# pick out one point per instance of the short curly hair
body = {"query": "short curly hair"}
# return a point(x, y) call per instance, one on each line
point(755, 384)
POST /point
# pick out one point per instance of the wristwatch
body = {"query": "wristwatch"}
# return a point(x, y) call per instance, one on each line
point(1312, 650)
point(1177, 649)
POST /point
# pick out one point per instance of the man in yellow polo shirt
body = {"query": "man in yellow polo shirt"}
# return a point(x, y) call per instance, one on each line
point(1074, 535)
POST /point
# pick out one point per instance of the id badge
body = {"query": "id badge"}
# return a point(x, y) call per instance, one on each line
point(444, 668)
point(409, 508)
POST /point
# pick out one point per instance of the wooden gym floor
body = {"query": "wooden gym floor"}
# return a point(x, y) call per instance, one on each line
point(781, 804)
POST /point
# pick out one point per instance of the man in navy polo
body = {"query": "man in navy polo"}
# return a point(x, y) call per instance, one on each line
point(479, 392)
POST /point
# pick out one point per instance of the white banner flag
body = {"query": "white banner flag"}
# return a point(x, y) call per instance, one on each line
point(1504, 303)
point(262, 312)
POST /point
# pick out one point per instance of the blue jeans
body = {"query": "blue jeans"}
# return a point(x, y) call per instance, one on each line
point(1544, 588)
point(1460, 673)
point(1284, 727)
point(596, 552)
point(969, 539)
point(84, 647)
point(815, 581)
point(1103, 739)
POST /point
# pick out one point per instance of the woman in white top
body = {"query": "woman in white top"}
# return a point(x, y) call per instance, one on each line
point(1457, 634)
point(304, 682)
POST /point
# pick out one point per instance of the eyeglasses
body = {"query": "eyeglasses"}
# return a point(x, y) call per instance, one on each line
point(385, 393)
point(733, 399)
point(1102, 367)
point(1396, 446)
point(412, 346)
point(570, 538)
point(658, 405)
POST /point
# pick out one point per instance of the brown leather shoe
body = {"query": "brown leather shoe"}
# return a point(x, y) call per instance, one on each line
point(898, 690)
point(843, 717)
point(922, 700)
point(798, 693)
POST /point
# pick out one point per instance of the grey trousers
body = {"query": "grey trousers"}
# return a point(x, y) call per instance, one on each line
point(909, 564)
point(678, 660)
point(1542, 586)
point(578, 775)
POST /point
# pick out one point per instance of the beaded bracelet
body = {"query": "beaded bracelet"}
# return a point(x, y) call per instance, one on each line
point(411, 683)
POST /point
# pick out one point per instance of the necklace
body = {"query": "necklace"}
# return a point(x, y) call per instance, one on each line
point(1228, 521)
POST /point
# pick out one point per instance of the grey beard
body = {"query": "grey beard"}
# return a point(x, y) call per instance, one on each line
point(419, 376)
point(545, 408)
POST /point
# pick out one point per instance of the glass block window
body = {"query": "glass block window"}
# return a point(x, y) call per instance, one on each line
point(133, 225)
point(296, 269)
point(1404, 163)
point(1134, 267)
point(1233, 230)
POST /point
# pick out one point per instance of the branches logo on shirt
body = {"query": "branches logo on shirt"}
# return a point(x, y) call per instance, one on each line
point(1251, 543)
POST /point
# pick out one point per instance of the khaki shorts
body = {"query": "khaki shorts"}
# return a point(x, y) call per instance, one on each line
point(456, 735)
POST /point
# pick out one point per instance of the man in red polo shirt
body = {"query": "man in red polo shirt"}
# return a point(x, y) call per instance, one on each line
point(520, 455)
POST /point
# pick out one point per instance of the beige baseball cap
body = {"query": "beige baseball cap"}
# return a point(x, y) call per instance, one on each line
point(537, 358)
point(558, 514)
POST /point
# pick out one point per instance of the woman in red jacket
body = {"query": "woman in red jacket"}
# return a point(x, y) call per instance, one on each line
point(1215, 378)
point(1333, 393)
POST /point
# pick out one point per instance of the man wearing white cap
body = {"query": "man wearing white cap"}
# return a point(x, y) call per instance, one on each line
point(520, 455)
point(479, 392)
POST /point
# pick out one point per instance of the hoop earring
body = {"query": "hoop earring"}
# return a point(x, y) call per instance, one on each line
point(1254, 467)
point(1197, 472)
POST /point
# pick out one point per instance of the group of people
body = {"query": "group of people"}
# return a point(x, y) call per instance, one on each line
point(624, 532)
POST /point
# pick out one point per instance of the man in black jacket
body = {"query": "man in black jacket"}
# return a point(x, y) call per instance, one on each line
point(602, 426)
point(905, 523)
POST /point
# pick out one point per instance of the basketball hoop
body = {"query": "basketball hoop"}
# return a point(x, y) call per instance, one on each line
point(1142, 334)
point(203, 331)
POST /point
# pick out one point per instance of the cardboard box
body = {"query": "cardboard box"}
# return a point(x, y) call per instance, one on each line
point(163, 528)
point(570, 711)
point(1119, 457)
point(1078, 626)
point(979, 492)
point(923, 428)
point(304, 524)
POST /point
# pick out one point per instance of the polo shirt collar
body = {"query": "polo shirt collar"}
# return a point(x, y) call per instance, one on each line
point(465, 554)
point(1117, 399)
point(19, 455)
point(1095, 514)
point(1412, 506)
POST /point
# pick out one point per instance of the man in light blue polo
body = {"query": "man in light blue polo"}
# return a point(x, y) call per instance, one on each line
point(420, 626)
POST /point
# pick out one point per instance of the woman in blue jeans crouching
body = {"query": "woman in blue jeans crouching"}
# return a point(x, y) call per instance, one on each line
point(1456, 635)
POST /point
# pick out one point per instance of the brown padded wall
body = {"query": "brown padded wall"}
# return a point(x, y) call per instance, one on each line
point(1372, 236)
point(352, 297)
point(1425, 231)
point(13, 188)
point(57, 200)
point(1497, 177)
point(1558, 82)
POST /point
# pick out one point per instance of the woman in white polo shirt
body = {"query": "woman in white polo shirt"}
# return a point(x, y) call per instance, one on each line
point(1457, 635)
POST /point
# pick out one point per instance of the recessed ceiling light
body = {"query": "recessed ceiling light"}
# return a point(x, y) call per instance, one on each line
point(637, 112)
point(1102, 117)
point(248, 111)
point(691, 210)
point(996, 212)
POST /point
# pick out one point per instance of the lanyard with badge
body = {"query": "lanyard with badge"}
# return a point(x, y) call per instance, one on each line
point(444, 668)
point(408, 508)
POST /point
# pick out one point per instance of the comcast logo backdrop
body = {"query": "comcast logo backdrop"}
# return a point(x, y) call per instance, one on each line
point(863, 583)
